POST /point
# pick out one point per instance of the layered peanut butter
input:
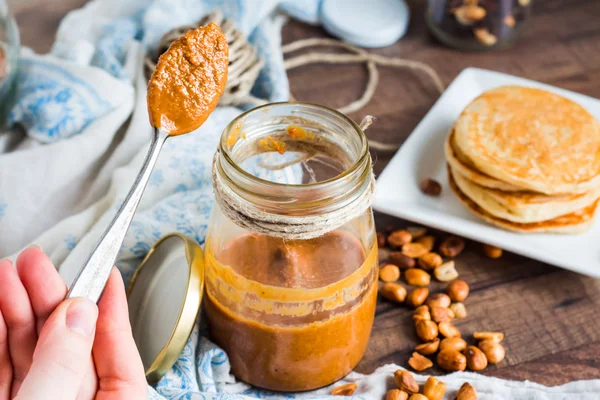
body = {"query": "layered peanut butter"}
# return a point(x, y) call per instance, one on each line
point(291, 315)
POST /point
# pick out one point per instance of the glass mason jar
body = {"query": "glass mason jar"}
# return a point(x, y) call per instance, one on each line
point(9, 58)
point(477, 24)
point(292, 314)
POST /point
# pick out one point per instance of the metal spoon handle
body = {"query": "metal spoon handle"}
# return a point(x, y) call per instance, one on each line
point(92, 277)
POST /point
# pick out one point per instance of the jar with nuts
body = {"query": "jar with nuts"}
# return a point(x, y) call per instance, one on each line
point(477, 24)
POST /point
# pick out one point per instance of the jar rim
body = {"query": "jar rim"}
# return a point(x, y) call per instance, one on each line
point(358, 163)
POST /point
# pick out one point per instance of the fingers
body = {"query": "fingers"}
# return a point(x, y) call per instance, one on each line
point(117, 360)
point(20, 322)
point(62, 355)
point(5, 365)
point(46, 291)
point(44, 285)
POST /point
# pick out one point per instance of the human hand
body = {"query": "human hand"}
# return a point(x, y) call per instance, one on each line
point(71, 349)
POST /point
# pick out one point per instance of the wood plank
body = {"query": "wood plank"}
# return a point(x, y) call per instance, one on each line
point(546, 313)
point(582, 362)
point(39, 19)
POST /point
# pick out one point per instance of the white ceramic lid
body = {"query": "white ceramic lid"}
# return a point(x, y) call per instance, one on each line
point(164, 299)
point(372, 23)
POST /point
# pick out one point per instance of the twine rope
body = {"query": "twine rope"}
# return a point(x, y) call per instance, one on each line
point(359, 56)
point(245, 65)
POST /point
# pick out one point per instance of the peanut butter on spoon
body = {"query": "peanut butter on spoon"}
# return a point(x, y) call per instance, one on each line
point(183, 90)
point(188, 80)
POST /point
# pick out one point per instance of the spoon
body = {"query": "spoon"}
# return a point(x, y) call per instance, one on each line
point(92, 277)
point(183, 90)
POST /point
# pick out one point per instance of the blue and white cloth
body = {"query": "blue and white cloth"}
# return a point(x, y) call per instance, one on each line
point(62, 181)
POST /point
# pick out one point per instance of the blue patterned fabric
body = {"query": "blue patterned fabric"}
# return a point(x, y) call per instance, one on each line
point(112, 47)
point(53, 103)
point(56, 101)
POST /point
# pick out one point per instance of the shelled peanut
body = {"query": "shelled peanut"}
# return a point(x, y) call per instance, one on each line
point(407, 388)
point(347, 389)
point(415, 261)
point(466, 392)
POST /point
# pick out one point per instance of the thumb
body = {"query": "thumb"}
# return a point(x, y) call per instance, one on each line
point(62, 353)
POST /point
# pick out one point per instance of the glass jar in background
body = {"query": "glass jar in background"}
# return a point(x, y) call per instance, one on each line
point(292, 314)
point(477, 24)
point(9, 59)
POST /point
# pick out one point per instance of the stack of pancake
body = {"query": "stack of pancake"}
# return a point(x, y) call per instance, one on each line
point(526, 160)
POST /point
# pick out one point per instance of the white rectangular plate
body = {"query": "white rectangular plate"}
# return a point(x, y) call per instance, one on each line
point(422, 156)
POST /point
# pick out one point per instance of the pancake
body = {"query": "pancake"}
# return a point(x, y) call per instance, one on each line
point(523, 207)
point(576, 222)
point(460, 164)
point(532, 139)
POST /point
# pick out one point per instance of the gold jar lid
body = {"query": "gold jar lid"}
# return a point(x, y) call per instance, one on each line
point(164, 298)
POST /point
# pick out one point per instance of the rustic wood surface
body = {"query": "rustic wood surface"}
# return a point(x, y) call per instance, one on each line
point(550, 316)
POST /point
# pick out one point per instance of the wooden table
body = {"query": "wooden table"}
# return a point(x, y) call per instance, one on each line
point(551, 317)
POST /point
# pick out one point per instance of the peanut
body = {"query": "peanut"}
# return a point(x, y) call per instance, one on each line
point(468, 15)
point(426, 330)
point(476, 359)
point(494, 351)
point(451, 360)
point(438, 300)
point(417, 277)
point(393, 292)
point(419, 363)
point(429, 347)
point(441, 314)
point(430, 187)
point(417, 297)
point(430, 261)
point(414, 250)
point(452, 246)
point(485, 37)
point(389, 273)
point(381, 240)
point(448, 330)
point(466, 392)
point(434, 389)
point(417, 231)
point(445, 272)
point(427, 241)
point(399, 238)
point(453, 343)
point(422, 312)
point(344, 390)
point(458, 290)
point(405, 381)
point(493, 336)
point(396, 394)
point(401, 260)
point(492, 251)
point(459, 309)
